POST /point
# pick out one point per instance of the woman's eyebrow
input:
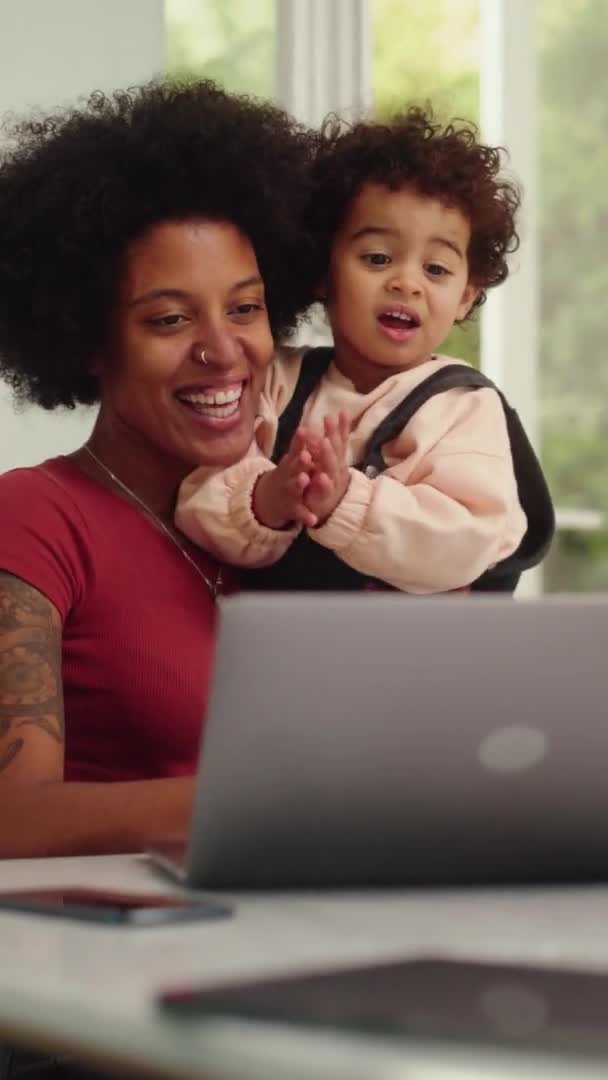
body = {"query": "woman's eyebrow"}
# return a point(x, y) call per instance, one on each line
point(183, 294)
point(156, 294)
point(246, 283)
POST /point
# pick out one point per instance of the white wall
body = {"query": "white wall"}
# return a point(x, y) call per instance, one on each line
point(51, 53)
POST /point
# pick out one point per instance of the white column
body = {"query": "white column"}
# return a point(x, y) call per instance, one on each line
point(508, 107)
point(323, 58)
point(51, 53)
point(323, 66)
point(508, 92)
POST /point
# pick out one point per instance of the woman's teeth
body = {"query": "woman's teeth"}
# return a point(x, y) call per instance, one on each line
point(221, 411)
point(218, 403)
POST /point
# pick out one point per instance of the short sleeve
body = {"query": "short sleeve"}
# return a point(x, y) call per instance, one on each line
point(41, 536)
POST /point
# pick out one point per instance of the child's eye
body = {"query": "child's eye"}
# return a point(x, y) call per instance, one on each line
point(377, 258)
point(436, 270)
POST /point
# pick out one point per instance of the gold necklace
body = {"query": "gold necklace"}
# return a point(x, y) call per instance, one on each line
point(213, 586)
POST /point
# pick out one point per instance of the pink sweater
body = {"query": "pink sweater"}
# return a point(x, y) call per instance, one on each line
point(443, 512)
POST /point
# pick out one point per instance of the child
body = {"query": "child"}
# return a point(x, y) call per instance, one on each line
point(412, 223)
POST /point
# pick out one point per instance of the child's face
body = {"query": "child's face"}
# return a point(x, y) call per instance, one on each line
point(398, 280)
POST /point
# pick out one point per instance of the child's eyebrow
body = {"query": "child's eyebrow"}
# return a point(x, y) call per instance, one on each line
point(451, 244)
point(381, 230)
point(385, 230)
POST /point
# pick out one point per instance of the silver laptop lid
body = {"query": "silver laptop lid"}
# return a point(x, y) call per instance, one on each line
point(361, 739)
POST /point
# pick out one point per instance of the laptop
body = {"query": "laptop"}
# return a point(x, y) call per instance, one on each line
point(377, 739)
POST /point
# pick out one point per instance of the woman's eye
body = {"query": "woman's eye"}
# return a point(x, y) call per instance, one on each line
point(377, 258)
point(436, 270)
point(248, 308)
point(166, 320)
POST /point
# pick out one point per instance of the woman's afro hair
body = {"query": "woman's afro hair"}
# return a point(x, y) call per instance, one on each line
point(77, 187)
point(413, 150)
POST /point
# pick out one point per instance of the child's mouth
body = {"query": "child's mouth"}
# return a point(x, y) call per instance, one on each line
point(398, 325)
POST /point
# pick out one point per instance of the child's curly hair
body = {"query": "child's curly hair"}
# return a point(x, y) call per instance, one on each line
point(77, 187)
point(446, 163)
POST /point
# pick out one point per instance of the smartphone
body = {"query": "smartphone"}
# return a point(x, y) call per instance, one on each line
point(429, 999)
point(117, 908)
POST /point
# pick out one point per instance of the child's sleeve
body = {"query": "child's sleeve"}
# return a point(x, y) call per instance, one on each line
point(214, 507)
point(215, 511)
point(440, 524)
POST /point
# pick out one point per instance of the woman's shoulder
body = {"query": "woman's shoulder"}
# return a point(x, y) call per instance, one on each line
point(45, 475)
point(42, 529)
point(54, 487)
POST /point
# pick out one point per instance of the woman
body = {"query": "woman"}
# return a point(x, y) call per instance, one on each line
point(149, 251)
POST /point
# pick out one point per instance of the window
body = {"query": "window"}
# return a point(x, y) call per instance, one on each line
point(429, 53)
point(230, 41)
point(572, 46)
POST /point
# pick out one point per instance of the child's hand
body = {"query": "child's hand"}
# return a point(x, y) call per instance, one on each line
point(330, 474)
point(278, 494)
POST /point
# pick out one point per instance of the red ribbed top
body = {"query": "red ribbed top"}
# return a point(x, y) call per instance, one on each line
point(138, 622)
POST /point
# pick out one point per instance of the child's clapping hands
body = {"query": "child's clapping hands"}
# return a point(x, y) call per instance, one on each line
point(310, 479)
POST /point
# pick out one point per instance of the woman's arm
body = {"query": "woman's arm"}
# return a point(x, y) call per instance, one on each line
point(40, 814)
point(55, 818)
point(31, 699)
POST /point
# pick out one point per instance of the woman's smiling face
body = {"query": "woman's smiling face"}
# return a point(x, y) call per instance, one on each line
point(188, 286)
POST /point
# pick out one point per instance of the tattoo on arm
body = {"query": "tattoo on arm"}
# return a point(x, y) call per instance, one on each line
point(30, 667)
point(10, 753)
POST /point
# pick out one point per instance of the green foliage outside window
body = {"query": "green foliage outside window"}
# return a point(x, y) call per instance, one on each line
point(573, 88)
point(230, 41)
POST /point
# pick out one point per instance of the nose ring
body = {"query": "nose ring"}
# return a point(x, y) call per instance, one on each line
point(203, 356)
